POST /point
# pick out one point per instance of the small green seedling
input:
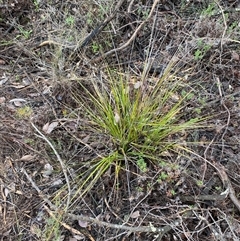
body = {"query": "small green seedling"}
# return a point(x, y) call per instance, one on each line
point(199, 183)
point(209, 11)
point(142, 165)
point(70, 20)
point(162, 177)
point(202, 50)
point(96, 47)
point(24, 112)
point(25, 33)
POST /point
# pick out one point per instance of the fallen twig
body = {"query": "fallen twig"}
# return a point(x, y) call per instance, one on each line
point(64, 169)
point(98, 29)
point(227, 184)
point(73, 230)
point(40, 193)
point(149, 229)
point(131, 38)
point(225, 180)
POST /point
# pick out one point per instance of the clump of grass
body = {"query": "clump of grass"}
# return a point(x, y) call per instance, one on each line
point(143, 120)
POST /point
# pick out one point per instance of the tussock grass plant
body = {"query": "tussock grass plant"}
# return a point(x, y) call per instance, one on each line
point(142, 119)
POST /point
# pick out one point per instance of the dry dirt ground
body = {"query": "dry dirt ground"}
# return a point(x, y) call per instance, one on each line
point(42, 55)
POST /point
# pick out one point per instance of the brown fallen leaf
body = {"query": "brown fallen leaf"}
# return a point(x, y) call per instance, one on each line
point(48, 128)
point(27, 158)
point(48, 170)
point(135, 214)
point(2, 100)
point(2, 62)
point(235, 56)
point(82, 224)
